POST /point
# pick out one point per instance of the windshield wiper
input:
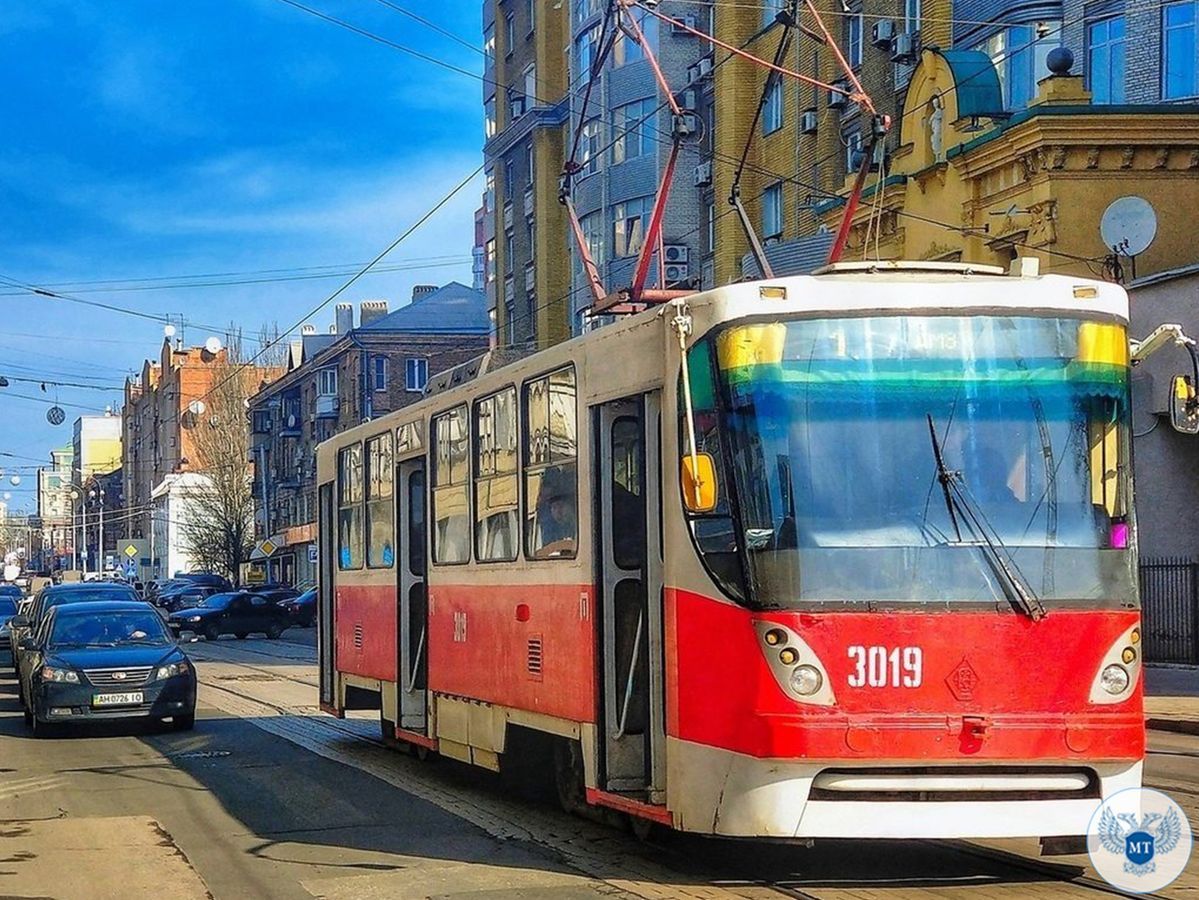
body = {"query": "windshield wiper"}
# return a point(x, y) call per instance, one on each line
point(957, 502)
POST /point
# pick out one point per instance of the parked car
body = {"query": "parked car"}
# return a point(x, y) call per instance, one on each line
point(8, 609)
point(301, 610)
point(207, 579)
point(105, 660)
point(272, 587)
point(185, 596)
point(234, 612)
point(25, 624)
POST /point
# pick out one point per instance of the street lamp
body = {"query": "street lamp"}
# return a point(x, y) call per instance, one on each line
point(74, 544)
point(97, 494)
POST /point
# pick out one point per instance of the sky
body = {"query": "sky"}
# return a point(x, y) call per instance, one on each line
point(149, 140)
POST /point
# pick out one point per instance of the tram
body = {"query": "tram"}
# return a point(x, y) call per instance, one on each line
point(843, 555)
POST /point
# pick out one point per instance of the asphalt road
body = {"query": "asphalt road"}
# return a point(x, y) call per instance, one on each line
point(267, 798)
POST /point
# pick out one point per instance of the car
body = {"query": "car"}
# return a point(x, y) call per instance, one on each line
point(234, 612)
point(184, 596)
point(272, 587)
point(27, 621)
point(207, 579)
point(8, 609)
point(301, 610)
point(103, 660)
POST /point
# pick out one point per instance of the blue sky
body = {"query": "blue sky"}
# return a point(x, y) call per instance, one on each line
point(146, 139)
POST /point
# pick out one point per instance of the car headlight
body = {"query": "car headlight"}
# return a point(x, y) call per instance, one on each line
point(170, 670)
point(194, 618)
point(61, 676)
point(1114, 679)
point(806, 680)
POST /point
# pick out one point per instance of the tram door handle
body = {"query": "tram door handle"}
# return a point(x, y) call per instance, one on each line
point(975, 727)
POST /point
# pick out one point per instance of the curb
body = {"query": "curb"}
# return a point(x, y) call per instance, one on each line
point(1179, 726)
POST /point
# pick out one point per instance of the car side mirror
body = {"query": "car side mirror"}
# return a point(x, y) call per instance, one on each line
point(698, 473)
point(27, 644)
point(1184, 406)
point(19, 622)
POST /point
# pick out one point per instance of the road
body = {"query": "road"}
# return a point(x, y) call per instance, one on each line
point(268, 798)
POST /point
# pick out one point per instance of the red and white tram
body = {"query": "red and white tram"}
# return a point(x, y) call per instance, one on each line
point(862, 564)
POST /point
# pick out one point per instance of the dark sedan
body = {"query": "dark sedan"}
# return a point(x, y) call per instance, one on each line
point(106, 660)
point(8, 609)
point(236, 613)
point(301, 610)
point(184, 596)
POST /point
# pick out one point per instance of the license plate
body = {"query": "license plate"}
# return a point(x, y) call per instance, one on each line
point(130, 699)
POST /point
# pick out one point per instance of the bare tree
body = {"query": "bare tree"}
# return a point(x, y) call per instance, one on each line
point(272, 346)
point(217, 530)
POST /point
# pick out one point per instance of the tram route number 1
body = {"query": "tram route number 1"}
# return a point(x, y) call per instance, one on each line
point(886, 667)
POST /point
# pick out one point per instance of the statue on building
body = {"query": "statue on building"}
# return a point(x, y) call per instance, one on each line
point(936, 125)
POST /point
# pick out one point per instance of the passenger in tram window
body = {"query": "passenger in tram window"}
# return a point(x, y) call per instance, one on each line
point(557, 515)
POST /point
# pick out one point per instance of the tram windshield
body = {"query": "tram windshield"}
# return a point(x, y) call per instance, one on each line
point(827, 431)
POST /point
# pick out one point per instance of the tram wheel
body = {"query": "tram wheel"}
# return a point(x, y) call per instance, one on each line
point(568, 776)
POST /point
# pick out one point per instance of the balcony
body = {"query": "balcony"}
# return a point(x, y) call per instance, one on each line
point(327, 406)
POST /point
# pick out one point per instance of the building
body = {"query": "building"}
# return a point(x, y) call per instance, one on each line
point(56, 507)
point(337, 380)
point(526, 112)
point(625, 145)
point(173, 503)
point(95, 447)
point(156, 420)
point(478, 266)
point(102, 518)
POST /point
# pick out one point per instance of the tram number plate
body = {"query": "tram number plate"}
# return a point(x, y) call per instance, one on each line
point(878, 667)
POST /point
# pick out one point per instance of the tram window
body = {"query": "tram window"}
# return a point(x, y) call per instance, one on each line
point(551, 451)
point(496, 481)
point(349, 502)
point(416, 523)
point(380, 510)
point(451, 487)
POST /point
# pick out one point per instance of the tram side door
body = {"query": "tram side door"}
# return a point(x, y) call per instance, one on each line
point(326, 636)
point(630, 583)
point(412, 612)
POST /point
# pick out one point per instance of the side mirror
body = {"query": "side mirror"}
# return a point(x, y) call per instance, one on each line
point(1184, 406)
point(27, 644)
point(19, 622)
point(698, 476)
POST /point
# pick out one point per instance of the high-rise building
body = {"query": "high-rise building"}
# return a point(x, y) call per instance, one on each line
point(526, 112)
point(56, 505)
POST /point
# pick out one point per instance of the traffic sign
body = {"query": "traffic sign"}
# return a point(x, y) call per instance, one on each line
point(312, 553)
point(266, 546)
point(130, 551)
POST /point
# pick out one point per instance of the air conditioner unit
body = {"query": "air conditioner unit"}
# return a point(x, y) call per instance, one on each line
point(705, 67)
point(688, 99)
point(676, 254)
point(693, 74)
point(680, 24)
point(882, 33)
point(675, 274)
point(836, 99)
point(808, 121)
point(703, 173)
point(904, 48)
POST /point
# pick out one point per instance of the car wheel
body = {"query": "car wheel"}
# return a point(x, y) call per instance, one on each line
point(241, 635)
point(212, 632)
point(274, 630)
point(184, 723)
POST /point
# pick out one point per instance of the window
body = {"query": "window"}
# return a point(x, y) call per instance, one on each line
point(627, 50)
point(509, 34)
point(489, 192)
point(490, 259)
point(531, 14)
point(451, 488)
point(1105, 60)
point(853, 151)
point(631, 127)
point(489, 44)
point(379, 373)
point(1020, 54)
point(550, 451)
point(416, 374)
point(380, 508)
point(509, 180)
point(771, 9)
point(530, 77)
point(1178, 50)
point(489, 126)
point(326, 382)
point(261, 420)
point(589, 148)
point(585, 48)
point(509, 252)
point(772, 212)
point(585, 8)
point(510, 319)
point(530, 161)
point(628, 225)
point(497, 521)
point(853, 39)
point(911, 16)
point(772, 112)
point(349, 512)
point(532, 242)
point(593, 235)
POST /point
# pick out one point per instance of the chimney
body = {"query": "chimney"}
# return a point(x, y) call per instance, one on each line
point(421, 291)
point(344, 317)
point(306, 330)
point(371, 311)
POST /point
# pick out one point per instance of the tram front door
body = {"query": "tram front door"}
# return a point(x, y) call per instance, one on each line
point(412, 612)
point(629, 579)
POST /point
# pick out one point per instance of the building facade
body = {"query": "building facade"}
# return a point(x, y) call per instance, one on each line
point(526, 112)
point(56, 507)
point(95, 447)
point(335, 381)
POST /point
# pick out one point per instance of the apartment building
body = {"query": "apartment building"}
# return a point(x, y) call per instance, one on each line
point(56, 506)
point(526, 115)
point(334, 381)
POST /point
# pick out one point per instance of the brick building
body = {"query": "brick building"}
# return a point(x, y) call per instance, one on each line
point(337, 380)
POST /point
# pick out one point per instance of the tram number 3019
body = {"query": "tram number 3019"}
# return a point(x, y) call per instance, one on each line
point(878, 667)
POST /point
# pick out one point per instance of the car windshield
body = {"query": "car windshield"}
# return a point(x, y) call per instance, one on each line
point(108, 629)
point(829, 430)
point(217, 601)
point(84, 595)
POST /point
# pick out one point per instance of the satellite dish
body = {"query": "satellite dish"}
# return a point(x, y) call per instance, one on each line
point(213, 345)
point(55, 415)
point(15, 480)
point(169, 331)
point(1128, 226)
point(196, 407)
point(7, 495)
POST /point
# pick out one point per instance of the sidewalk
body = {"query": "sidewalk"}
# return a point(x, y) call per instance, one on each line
point(1172, 698)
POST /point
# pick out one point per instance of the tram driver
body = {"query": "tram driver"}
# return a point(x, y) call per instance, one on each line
point(557, 516)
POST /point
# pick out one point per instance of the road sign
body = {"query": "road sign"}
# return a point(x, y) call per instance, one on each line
point(130, 551)
point(312, 553)
point(266, 546)
point(131, 569)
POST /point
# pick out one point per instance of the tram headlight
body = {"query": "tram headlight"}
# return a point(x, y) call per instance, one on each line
point(806, 680)
point(1114, 679)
